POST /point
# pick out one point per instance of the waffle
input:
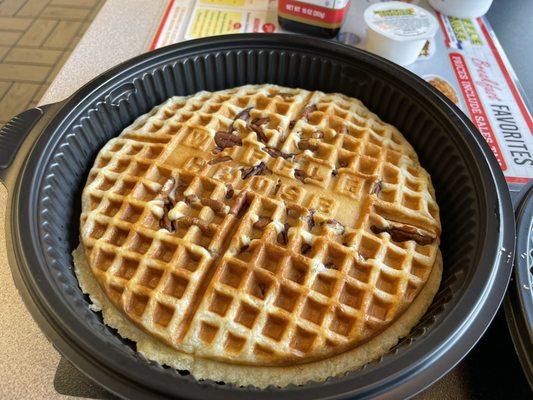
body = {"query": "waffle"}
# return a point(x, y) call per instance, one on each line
point(261, 225)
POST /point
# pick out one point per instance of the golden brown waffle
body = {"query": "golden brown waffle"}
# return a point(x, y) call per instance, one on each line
point(260, 225)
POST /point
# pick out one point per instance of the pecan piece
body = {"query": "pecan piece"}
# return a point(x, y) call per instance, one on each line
point(168, 195)
point(259, 132)
point(165, 222)
point(239, 204)
point(168, 188)
point(300, 175)
point(292, 123)
point(311, 219)
point(259, 169)
point(304, 144)
point(225, 140)
point(188, 221)
point(278, 186)
point(283, 238)
point(261, 121)
point(191, 199)
point(229, 191)
point(275, 153)
point(335, 226)
point(216, 205)
point(403, 233)
point(243, 114)
point(247, 172)
point(262, 222)
point(263, 169)
point(308, 110)
point(219, 160)
point(376, 188)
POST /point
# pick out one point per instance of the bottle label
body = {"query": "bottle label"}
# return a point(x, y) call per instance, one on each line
point(324, 13)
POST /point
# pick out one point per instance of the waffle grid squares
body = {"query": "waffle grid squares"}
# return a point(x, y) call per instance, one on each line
point(264, 284)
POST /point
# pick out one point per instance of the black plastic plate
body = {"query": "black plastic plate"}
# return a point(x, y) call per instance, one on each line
point(47, 174)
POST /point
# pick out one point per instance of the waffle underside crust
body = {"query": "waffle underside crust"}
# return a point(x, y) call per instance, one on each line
point(243, 375)
point(261, 225)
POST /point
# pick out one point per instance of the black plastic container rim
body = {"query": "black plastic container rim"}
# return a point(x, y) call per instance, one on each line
point(518, 301)
point(414, 371)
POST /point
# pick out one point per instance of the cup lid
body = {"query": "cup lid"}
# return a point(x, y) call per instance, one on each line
point(401, 21)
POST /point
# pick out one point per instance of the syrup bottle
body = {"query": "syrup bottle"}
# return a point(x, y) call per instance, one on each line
point(314, 17)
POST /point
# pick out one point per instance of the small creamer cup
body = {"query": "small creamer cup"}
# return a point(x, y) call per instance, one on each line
point(398, 31)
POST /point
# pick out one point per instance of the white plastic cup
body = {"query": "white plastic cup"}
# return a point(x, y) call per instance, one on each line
point(461, 8)
point(398, 31)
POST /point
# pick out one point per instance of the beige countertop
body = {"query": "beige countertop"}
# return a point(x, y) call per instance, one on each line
point(30, 368)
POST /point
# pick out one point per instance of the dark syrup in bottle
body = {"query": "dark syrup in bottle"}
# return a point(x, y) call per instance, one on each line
point(313, 17)
point(294, 26)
